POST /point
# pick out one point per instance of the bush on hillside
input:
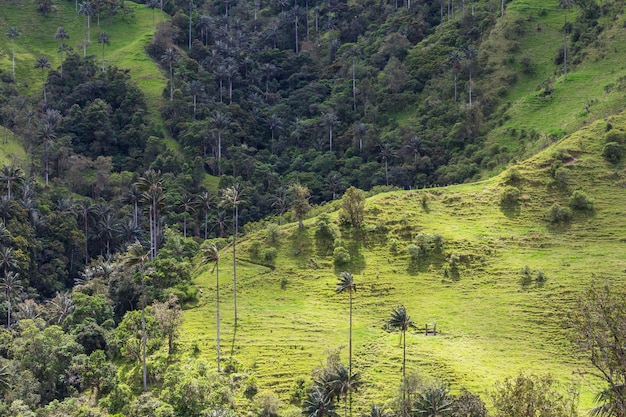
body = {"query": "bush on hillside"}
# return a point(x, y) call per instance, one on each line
point(579, 201)
point(558, 214)
point(272, 233)
point(510, 196)
point(512, 176)
point(561, 178)
point(613, 152)
point(269, 254)
point(615, 136)
point(341, 256)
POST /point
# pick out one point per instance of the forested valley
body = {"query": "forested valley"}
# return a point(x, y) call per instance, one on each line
point(269, 140)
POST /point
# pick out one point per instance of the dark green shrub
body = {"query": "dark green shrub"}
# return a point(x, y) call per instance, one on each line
point(393, 246)
point(615, 136)
point(612, 152)
point(272, 234)
point(579, 201)
point(341, 256)
point(558, 214)
point(269, 254)
point(510, 196)
point(254, 249)
point(561, 177)
point(414, 251)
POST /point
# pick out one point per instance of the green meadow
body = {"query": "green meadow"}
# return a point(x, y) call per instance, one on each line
point(492, 324)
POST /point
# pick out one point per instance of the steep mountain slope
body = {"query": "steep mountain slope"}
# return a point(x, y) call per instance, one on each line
point(128, 32)
point(494, 320)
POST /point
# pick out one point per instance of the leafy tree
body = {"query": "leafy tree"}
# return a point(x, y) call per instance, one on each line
point(168, 317)
point(353, 207)
point(43, 64)
point(103, 38)
point(300, 201)
point(233, 197)
point(211, 254)
point(13, 34)
point(599, 328)
point(530, 395)
point(136, 256)
point(401, 321)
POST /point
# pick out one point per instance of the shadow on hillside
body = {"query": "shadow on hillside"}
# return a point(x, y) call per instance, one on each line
point(511, 210)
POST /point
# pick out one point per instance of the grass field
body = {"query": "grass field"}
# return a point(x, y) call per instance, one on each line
point(492, 325)
point(128, 38)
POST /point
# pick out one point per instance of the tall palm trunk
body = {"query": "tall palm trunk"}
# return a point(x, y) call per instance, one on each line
point(217, 297)
point(236, 210)
point(350, 357)
point(143, 331)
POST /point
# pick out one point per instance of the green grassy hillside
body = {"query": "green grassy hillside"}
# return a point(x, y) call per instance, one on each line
point(493, 324)
point(128, 37)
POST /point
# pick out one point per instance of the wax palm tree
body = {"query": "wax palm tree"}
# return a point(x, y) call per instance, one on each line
point(43, 64)
point(169, 57)
point(341, 383)
point(187, 205)
point(434, 402)
point(84, 210)
point(211, 254)
point(61, 34)
point(207, 201)
point(610, 402)
point(220, 122)
point(330, 120)
point(360, 130)
point(136, 256)
point(454, 61)
point(319, 404)
point(281, 202)
point(85, 8)
point(151, 186)
point(204, 24)
point(103, 38)
point(346, 284)
point(470, 54)
point(195, 88)
point(566, 5)
point(152, 4)
point(415, 146)
point(13, 34)
point(12, 176)
point(233, 197)
point(401, 321)
point(377, 411)
point(10, 283)
point(387, 151)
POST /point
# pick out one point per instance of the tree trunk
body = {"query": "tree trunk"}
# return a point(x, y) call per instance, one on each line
point(143, 331)
point(235, 261)
point(217, 296)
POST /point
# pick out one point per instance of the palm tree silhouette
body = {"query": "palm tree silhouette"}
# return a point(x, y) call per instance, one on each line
point(10, 283)
point(169, 57)
point(400, 320)
point(233, 197)
point(104, 40)
point(566, 5)
point(319, 404)
point(434, 402)
point(346, 283)
point(13, 34)
point(61, 34)
point(211, 254)
point(43, 63)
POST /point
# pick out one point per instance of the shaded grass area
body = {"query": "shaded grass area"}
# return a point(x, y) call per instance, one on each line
point(493, 324)
point(128, 36)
